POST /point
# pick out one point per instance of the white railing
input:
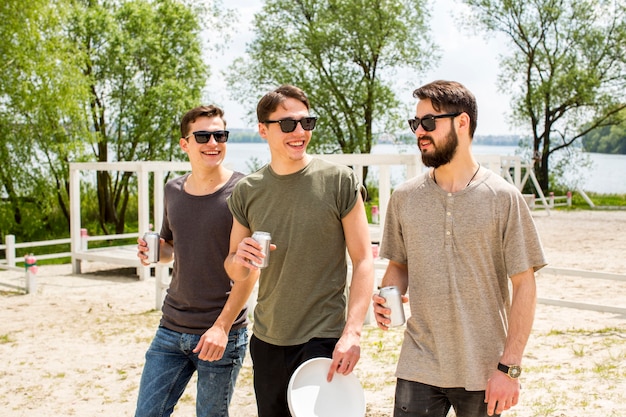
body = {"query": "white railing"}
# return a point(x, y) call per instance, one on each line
point(30, 261)
point(412, 164)
point(143, 169)
point(510, 167)
point(561, 200)
point(10, 250)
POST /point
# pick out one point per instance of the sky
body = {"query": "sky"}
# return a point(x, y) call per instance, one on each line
point(466, 58)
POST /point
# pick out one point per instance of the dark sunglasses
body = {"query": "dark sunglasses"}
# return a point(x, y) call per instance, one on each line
point(289, 125)
point(428, 122)
point(203, 136)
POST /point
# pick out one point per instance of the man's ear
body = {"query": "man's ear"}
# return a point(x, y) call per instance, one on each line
point(463, 120)
point(262, 130)
point(184, 144)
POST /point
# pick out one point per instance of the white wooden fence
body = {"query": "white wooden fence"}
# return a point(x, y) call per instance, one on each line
point(510, 167)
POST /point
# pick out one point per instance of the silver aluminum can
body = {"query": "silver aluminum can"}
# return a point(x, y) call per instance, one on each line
point(264, 239)
point(153, 241)
point(393, 301)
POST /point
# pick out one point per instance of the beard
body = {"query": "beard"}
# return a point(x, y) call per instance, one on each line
point(442, 154)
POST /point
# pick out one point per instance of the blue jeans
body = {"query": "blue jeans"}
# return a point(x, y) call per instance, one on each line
point(170, 364)
point(414, 399)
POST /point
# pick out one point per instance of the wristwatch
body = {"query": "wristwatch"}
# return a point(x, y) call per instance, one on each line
point(513, 371)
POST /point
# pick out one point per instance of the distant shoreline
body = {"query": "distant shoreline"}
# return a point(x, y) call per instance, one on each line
point(243, 136)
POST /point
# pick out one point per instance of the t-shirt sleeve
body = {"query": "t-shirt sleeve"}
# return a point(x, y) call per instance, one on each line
point(522, 245)
point(236, 206)
point(166, 231)
point(392, 245)
point(350, 187)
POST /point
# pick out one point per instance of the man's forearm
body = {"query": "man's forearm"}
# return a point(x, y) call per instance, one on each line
point(521, 318)
point(361, 288)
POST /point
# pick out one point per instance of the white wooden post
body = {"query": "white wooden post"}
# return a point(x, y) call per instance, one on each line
point(162, 279)
point(9, 241)
point(159, 192)
point(75, 218)
point(162, 272)
point(384, 194)
point(143, 184)
point(30, 265)
point(84, 243)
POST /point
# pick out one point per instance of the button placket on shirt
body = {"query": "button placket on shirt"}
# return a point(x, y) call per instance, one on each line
point(448, 222)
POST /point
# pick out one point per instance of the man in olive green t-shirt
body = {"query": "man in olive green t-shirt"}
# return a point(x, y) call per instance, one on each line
point(314, 211)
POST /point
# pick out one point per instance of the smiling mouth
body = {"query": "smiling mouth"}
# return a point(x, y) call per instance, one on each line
point(296, 144)
point(425, 143)
point(211, 153)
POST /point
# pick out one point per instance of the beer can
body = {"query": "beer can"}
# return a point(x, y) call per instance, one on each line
point(153, 241)
point(264, 239)
point(393, 301)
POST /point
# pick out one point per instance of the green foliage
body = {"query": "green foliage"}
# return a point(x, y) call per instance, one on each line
point(343, 54)
point(608, 139)
point(146, 71)
point(566, 67)
point(40, 123)
point(144, 64)
point(93, 81)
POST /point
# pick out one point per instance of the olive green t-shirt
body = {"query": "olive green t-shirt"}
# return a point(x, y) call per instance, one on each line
point(301, 292)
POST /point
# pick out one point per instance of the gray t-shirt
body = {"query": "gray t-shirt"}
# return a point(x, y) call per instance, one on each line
point(200, 228)
point(460, 248)
point(301, 292)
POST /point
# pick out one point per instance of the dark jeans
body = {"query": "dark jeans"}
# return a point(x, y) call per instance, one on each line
point(273, 366)
point(414, 399)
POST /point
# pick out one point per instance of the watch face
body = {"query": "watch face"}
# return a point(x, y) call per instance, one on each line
point(515, 371)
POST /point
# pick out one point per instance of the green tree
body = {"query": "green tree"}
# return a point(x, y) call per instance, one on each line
point(143, 63)
point(609, 139)
point(40, 119)
point(566, 69)
point(93, 80)
point(344, 55)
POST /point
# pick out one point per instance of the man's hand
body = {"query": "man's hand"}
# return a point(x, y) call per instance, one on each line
point(382, 314)
point(502, 393)
point(249, 253)
point(212, 344)
point(345, 356)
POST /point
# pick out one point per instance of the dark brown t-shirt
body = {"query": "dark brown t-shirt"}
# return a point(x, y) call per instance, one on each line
point(199, 227)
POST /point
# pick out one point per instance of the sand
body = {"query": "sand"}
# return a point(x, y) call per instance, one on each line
point(76, 347)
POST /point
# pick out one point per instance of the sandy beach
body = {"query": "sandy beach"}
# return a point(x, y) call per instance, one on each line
point(76, 347)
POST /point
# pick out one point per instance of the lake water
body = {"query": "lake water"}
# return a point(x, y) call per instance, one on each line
point(607, 174)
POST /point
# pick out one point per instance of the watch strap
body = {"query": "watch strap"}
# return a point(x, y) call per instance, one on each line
point(512, 371)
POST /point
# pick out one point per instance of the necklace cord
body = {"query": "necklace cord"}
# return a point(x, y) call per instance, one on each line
point(468, 183)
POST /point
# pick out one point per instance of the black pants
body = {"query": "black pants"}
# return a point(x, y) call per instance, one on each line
point(414, 399)
point(273, 366)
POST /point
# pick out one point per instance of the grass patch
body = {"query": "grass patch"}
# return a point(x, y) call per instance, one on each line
point(585, 370)
point(600, 200)
point(11, 293)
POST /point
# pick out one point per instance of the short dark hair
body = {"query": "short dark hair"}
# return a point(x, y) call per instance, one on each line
point(197, 112)
point(450, 97)
point(270, 101)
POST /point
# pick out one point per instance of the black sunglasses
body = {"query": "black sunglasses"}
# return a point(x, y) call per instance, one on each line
point(203, 136)
point(289, 125)
point(428, 122)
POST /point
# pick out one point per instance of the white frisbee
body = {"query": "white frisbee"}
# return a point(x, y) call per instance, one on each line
point(310, 395)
